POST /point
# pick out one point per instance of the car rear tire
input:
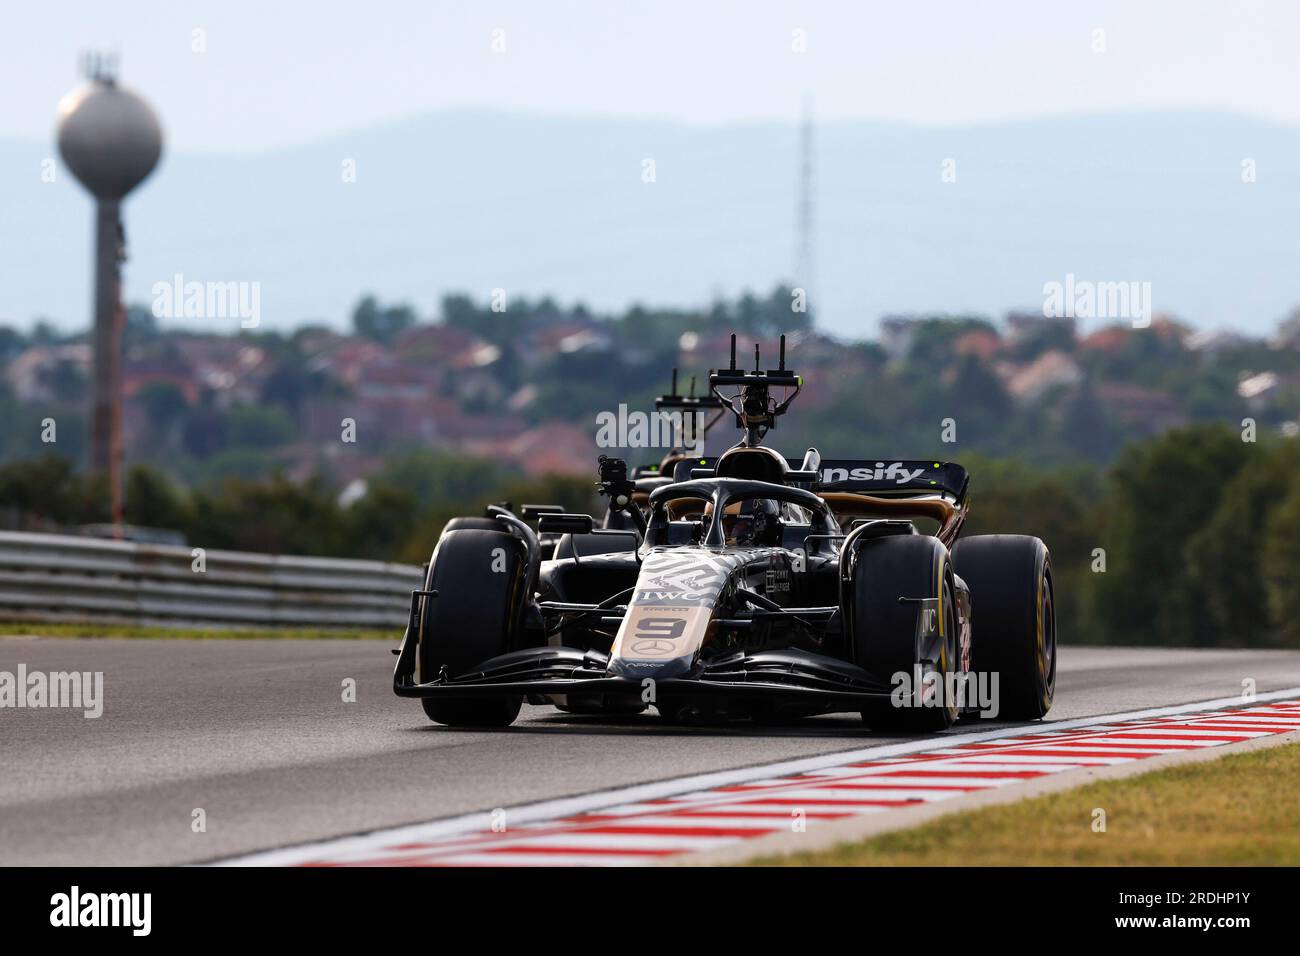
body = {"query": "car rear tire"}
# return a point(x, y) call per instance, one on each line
point(884, 631)
point(1013, 619)
point(477, 574)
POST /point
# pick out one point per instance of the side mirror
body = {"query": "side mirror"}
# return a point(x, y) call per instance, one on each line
point(531, 512)
point(809, 472)
point(565, 524)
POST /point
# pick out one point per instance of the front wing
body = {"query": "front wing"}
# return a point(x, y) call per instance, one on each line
point(786, 676)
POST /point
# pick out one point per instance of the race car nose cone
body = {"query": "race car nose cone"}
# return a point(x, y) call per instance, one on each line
point(642, 670)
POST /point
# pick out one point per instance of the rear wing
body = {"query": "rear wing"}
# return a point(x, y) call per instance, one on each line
point(892, 477)
point(867, 476)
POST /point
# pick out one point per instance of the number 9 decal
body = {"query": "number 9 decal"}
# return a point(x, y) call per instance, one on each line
point(669, 628)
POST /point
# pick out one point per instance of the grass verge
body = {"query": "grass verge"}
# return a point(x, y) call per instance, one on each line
point(39, 629)
point(1238, 810)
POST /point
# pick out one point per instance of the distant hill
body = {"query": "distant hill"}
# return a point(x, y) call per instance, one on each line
point(537, 204)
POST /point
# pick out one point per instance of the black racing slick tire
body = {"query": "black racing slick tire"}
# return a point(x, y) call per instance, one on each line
point(1013, 619)
point(896, 580)
point(474, 524)
point(477, 574)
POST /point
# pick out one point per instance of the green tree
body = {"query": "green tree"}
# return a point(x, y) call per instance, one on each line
point(163, 403)
point(153, 501)
point(500, 328)
point(434, 477)
point(1225, 560)
point(1059, 506)
point(1281, 568)
point(48, 490)
point(380, 521)
point(379, 322)
point(259, 426)
point(1162, 493)
point(576, 494)
point(276, 516)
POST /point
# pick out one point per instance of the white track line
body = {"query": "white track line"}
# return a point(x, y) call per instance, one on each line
point(416, 842)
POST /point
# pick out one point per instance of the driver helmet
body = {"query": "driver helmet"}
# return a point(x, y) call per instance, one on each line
point(752, 523)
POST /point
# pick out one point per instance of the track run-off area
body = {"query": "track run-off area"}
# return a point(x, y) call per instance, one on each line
point(643, 829)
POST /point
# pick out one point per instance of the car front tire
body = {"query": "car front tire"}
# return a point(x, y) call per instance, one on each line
point(884, 632)
point(477, 575)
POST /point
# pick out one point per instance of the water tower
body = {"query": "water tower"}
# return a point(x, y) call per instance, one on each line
point(110, 139)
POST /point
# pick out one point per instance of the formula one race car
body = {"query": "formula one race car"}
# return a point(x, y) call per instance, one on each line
point(746, 586)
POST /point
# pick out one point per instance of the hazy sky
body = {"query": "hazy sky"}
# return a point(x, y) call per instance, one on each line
point(281, 73)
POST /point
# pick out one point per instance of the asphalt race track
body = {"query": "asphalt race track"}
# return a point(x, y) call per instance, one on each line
point(256, 734)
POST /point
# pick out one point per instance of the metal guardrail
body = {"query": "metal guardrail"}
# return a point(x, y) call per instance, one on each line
point(53, 577)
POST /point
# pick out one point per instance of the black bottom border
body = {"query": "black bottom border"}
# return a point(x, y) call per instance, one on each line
point(254, 904)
